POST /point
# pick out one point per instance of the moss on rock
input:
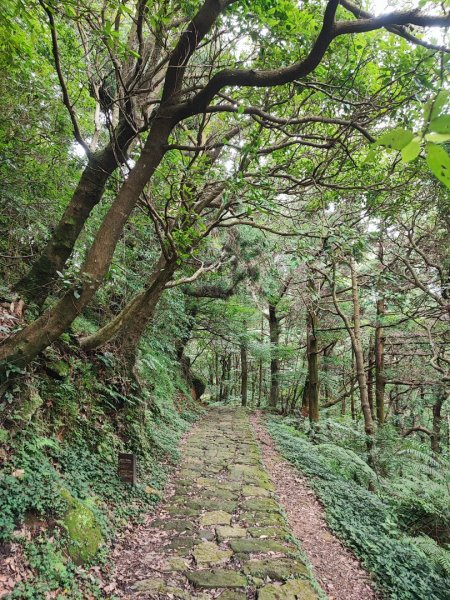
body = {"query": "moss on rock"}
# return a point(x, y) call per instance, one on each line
point(275, 568)
point(84, 535)
point(295, 588)
point(209, 553)
point(216, 578)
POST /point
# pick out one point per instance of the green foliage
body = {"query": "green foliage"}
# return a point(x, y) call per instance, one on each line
point(347, 464)
point(435, 131)
point(70, 482)
point(364, 522)
point(433, 552)
point(53, 572)
point(84, 535)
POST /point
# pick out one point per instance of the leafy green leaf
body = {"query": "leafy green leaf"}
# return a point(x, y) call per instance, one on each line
point(396, 139)
point(441, 124)
point(439, 162)
point(441, 100)
point(437, 138)
point(411, 151)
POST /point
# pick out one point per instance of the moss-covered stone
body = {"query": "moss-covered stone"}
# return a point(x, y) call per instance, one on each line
point(216, 517)
point(182, 543)
point(225, 532)
point(182, 511)
point(29, 406)
point(268, 532)
point(177, 564)
point(260, 519)
point(58, 369)
point(206, 535)
point(255, 545)
point(228, 506)
point(232, 595)
point(250, 475)
point(275, 568)
point(158, 586)
point(261, 505)
point(83, 531)
point(174, 525)
point(216, 493)
point(213, 484)
point(297, 588)
point(216, 578)
point(254, 490)
point(208, 553)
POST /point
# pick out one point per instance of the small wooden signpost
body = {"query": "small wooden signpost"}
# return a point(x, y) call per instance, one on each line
point(127, 467)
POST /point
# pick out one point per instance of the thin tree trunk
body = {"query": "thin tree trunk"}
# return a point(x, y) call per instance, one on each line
point(222, 381)
point(442, 395)
point(274, 331)
point(260, 382)
point(244, 373)
point(216, 361)
point(343, 403)
point(370, 376)
point(352, 394)
point(305, 398)
point(38, 282)
point(359, 353)
point(380, 378)
point(313, 368)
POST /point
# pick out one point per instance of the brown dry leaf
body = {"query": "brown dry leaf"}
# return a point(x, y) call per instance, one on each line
point(19, 473)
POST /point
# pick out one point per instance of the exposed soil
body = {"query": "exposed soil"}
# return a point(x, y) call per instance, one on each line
point(335, 567)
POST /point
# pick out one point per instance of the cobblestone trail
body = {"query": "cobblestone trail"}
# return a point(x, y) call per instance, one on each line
point(222, 533)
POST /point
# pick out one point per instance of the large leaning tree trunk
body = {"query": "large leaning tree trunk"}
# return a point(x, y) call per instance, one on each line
point(124, 328)
point(38, 282)
point(23, 347)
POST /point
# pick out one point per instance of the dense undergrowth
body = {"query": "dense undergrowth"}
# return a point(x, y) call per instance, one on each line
point(62, 500)
point(394, 529)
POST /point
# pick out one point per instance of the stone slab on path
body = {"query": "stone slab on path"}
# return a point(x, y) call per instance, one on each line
point(222, 533)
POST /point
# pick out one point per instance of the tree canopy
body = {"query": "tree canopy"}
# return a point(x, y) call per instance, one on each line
point(249, 199)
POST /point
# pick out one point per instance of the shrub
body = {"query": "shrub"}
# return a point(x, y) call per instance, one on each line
point(366, 523)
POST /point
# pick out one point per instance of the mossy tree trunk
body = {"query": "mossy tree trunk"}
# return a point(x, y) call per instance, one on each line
point(24, 346)
point(441, 396)
point(36, 285)
point(359, 353)
point(127, 328)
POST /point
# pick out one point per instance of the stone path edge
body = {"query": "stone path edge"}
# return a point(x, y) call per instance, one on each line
point(222, 533)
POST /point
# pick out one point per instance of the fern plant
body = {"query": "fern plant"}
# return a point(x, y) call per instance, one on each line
point(439, 555)
point(347, 464)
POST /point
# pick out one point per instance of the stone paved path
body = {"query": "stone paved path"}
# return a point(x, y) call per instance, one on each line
point(222, 533)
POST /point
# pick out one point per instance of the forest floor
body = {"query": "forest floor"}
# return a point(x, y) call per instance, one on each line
point(221, 531)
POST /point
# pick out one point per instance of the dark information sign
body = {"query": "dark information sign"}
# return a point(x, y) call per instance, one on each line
point(127, 467)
